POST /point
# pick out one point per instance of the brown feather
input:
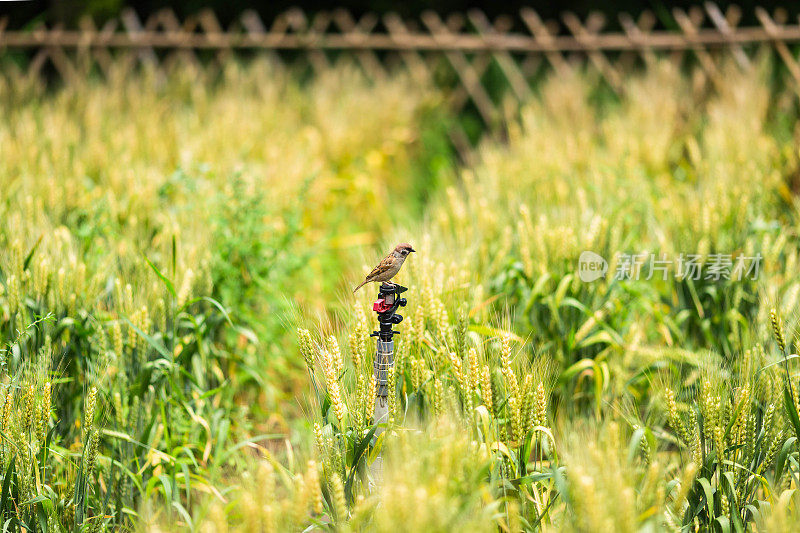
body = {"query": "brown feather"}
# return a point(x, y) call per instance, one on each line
point(386, 264)
point(389, 265)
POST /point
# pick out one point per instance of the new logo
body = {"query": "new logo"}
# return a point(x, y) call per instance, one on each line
point(591, 266)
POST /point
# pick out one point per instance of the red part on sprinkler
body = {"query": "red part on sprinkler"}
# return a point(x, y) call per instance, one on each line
point(380, 306)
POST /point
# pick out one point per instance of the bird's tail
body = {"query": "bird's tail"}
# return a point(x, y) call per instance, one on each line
point(359, 286)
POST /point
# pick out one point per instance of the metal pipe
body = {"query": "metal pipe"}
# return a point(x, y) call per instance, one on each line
point(384, 359)
point(385, 306)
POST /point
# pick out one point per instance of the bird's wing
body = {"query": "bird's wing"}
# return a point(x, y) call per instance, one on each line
point(386, 264)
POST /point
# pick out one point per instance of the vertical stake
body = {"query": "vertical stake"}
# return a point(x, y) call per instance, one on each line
point(385, 306)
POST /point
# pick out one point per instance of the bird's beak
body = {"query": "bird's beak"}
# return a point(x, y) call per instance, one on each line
point(413, 250)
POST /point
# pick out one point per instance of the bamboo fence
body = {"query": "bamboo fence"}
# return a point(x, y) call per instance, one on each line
point(468, 46)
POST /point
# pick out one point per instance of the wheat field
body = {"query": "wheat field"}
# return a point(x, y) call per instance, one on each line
point(180, 347)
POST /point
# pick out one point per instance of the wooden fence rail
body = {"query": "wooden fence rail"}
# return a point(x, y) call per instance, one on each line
point(440, 41)
point(468, 45)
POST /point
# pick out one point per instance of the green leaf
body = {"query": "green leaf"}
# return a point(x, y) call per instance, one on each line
point(37, 499)
point(167, 282)
point(780, 459)
point(7, 488)
point(575, 369)
point(174, 255)
point(601, 337)
point(729, 486)
point(28, 257)
point(709, 496)
point(791, 408)
point(723, 524)
point(488, 331)
point(358, 452)
point(160, 348)
point(41, 513)
point(780, 361)
point(635, 442)
point(221, 309)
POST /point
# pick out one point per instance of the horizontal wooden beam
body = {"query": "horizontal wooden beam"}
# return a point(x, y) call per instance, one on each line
point(511, 42)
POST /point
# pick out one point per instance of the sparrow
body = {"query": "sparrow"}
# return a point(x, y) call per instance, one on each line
point(389, 265)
